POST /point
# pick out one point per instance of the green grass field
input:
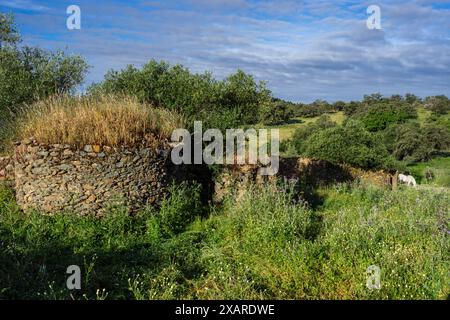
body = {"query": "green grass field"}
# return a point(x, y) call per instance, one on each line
point(439, 168)
point(423, 115)
point(287, 130)
point(264, 246)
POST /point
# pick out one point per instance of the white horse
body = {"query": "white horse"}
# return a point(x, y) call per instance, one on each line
point(409, 180)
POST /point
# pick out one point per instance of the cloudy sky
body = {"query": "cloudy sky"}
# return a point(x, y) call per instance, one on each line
point(305, 50)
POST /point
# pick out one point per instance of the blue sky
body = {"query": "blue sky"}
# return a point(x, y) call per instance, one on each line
point(305, 50)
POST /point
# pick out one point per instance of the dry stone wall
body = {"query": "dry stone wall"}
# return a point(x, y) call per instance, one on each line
point(309, 172)
point(6, 169)
point(63, 178)
point(56, 178)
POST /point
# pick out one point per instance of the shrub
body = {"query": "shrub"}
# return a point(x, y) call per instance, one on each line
point(8, 31)
point(314, 109)
point(436, 136)
point(439, 105)
point(378, 116)
point(232, 101)
point(301, 135)
point(339, 105)
point(275, 113)
point(28, 74)
point(352, 108)
point(103, 120)
point(412, 143)
point(221, 119)
point(350, 144)
point(408, 143)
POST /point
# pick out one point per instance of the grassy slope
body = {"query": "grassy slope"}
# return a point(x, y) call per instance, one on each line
point(440, 168)
point(423, 115)
point(264, 247)
point(286, 130)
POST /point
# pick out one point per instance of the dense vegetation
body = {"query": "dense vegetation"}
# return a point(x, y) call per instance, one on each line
point(350, 144)
point(236, 100)
point(265, 245)
point(31, 74)
point(377, 133)
point(28, 74)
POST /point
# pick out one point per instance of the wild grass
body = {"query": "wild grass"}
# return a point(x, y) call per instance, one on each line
point(103, 120)
point(435, 172)
point(288, 129)
point(405, 233)
point(266, 245)
point(259, 251)
point(423, 115)
point(113, 252)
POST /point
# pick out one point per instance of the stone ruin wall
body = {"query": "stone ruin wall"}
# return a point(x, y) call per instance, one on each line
point(310, 172)
point(6, 169)
point(55, 178)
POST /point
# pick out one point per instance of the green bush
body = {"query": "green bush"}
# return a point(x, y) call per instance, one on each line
point(350, 144)
point(378, 116)
point(301, 135)
point(439, 105)
point(352, 108)
point(9, 34)
point(275, 113)
point(28, 74)
point(220, 104)
point(411, 143)
point(314, 109)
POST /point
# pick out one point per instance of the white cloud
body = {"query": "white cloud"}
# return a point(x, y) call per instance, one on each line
point(326, 53)
point(23, 4)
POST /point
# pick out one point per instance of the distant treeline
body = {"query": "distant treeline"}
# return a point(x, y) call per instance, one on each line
point(439, 105)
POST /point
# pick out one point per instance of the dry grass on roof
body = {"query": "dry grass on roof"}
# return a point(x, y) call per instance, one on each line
point(105, 120)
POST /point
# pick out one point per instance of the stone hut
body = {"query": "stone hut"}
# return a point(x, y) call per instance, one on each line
point(55, 178)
